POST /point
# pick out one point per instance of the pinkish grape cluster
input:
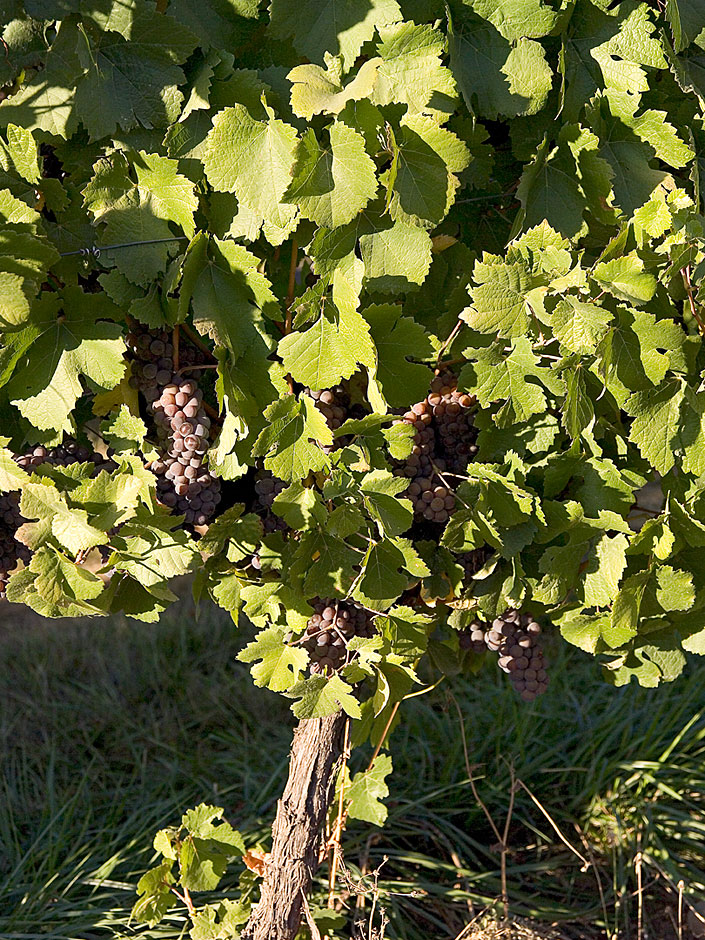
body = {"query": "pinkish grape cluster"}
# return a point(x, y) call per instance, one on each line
point(182, 426)
point(515, 637)
point(329, 630)
point(444, 442)
point(70, 451)
point(183, 483)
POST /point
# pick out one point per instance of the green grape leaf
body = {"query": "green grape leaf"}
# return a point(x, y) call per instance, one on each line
point(153, 550)
point(656, 425)
point(290, 442)
point(499, 302)
point(396, 258)
point(674, 588)
point(252, 159)
point(494, 377)
point(497, 77)
point(364, 794)
point(398, 339)
point(331, 184)
point(78, 343)
point(70, 527)
point(126, 431)
point(410, 71)
point(12, 476)
point(318, 697)
point(624, 619)
point(337, 27)
point(300, 507)
point(605, 567)
point(58, 579)
point(517, 18)
point(315, 90)
point(155, 894)
point(626, 279)
point(230, 297)
point(380, 491)
point(578, 410)
point(277, 665)
point(329, 350)
point(579, 326)
point(23, 152)
point(422, 183)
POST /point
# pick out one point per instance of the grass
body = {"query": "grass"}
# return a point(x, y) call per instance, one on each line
point(110, 729)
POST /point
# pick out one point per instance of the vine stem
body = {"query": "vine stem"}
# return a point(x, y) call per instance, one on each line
point(334, 843)
point(685, 273)
point(301, 813)
point(196, 339)
point(453, 333)
point(378, 748)
point(175, 344)
point(290, 300)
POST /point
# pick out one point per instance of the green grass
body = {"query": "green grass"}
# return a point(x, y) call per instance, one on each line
point(110, 729)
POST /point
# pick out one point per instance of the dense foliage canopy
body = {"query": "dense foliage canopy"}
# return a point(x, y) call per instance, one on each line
point(316, 195)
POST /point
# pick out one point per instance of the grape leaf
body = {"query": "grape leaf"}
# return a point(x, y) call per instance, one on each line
point(674, 588)
point(396, 258)
point(494, 76)
point(626, 279)
point(315, 90)
point(655, 429)
point(495, 376)
point(337, 27)
point(606, 565)
point(47, 385)
point(422, 183)
point(331, 184)
point(410, 71)
point(397, 339)
point(277, 665)
point(329, 350)
point(365, 792)
point(252, 159)
point(318, 697)
point(290, 442)
point(70, 527)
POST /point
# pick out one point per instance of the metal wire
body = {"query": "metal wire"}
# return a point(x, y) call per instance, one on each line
point(95, 250)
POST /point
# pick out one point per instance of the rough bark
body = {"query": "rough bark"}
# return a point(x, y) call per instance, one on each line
point(301, 813)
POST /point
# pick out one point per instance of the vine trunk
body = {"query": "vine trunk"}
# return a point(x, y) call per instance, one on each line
point(301, 814)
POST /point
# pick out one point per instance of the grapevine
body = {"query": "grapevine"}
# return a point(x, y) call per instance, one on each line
point(381, 327)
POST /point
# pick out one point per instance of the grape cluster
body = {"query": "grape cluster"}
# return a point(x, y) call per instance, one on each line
point(182, 426)
point(267, 488)
point(444, 440)
point(183, 483)
point(11, 551)
point(333, 624)
point(70, 451)
point(515, 636)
